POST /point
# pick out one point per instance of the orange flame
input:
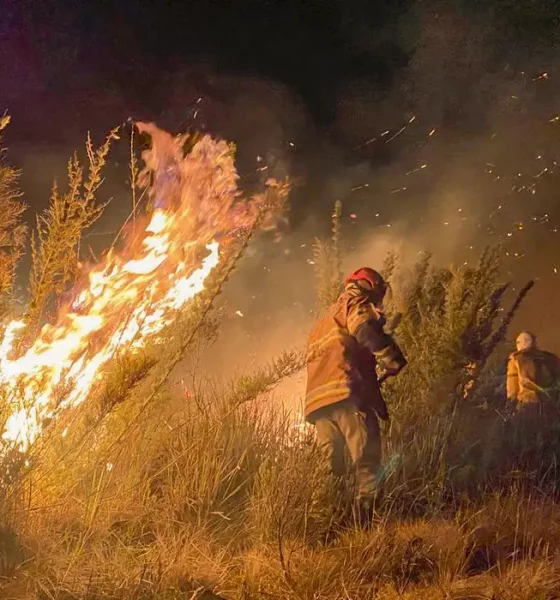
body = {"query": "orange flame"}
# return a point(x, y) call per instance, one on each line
point(127, 301)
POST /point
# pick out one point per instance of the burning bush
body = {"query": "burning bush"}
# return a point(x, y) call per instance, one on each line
point(132, 295)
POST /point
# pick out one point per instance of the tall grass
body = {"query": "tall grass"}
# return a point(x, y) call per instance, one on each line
point(12, 228)
point(327, 255)
point(220, 496)
point(56, 239)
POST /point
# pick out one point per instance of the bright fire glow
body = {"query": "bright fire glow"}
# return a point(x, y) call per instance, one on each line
point(124, 304)
point(129, 298)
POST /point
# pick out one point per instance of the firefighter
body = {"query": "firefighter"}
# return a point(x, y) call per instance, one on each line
point(533, 375)
point(349, 353)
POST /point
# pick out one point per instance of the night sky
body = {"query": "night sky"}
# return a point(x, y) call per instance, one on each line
point(103, 61)
point(435, 122)
point(132, 48)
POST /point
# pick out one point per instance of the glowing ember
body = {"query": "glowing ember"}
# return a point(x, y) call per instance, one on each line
point(130, 298)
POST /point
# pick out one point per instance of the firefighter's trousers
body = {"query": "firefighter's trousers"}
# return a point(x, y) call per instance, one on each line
point(343, 428)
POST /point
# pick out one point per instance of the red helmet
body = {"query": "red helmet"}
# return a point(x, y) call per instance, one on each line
point(372, 277)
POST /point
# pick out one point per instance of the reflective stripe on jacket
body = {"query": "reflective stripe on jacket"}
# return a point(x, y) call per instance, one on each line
point(338, 366)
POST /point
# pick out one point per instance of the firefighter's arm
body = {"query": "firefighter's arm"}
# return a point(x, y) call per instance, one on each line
point(388, 355)
point(512, 381)
point(364, 323)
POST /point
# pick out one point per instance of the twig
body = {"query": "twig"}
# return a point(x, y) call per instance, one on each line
point(285, 571)
point(133, 175)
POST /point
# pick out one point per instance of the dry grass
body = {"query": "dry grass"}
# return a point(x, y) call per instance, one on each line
point(218, 495)
point(12, 229)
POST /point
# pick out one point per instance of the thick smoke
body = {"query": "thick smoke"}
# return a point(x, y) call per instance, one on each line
point(463, 156)
point(457, 152)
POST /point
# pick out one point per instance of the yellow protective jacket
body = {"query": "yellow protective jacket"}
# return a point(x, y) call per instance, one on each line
point(345, 347)
point(533, 375)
